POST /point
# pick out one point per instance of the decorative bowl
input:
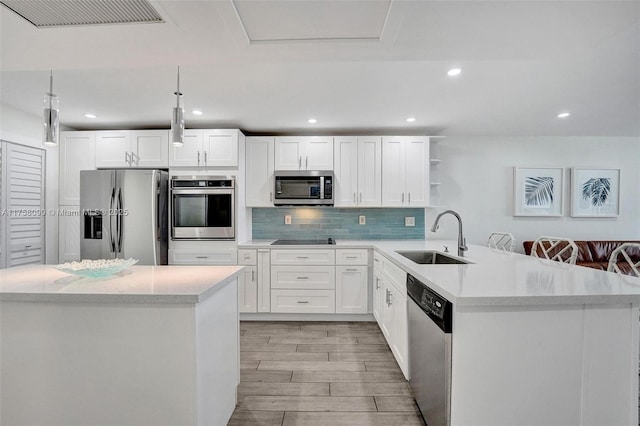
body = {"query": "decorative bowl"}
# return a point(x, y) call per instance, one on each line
point(99, 268)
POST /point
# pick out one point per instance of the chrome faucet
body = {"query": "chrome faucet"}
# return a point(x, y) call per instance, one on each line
point(462, 243)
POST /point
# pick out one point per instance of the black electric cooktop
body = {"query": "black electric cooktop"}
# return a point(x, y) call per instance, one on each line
point(303, 242)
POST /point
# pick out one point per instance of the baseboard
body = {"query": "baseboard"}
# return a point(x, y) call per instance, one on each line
point(268, 316)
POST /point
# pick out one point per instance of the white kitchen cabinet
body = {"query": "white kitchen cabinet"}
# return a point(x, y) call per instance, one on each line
point(390, 307)
point(303, 257)
point(248, 290)
point(304, 153)
point(69, 234)
point(307, 277)
point(248, 281)
point(378, 295)
point(303, 301)
point(405, 181)
point(264, 280)
point(352, 281)
point(198, 257)
point(206, 148)
point(259, 156)
point(358, 171)
point(396, 309)
point(138, 148)
point(351, 289)
point(77, 152)
point(303, 281)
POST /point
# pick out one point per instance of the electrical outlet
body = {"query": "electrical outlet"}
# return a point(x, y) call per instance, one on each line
point(362, 220)
point(409, 221)
point(287, 219)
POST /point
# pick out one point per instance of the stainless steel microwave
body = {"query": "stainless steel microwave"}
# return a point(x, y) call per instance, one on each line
point(303, 188)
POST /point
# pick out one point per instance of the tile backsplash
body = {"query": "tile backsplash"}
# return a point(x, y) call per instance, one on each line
point(325, 222)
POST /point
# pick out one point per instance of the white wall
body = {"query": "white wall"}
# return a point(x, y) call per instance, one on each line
point(26, 129)
point(477, 181)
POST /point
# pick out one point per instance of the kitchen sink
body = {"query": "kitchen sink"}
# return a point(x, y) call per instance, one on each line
point(430, 257)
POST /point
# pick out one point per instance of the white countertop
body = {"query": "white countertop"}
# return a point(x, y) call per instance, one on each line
point(138, 284)
point(498, 278)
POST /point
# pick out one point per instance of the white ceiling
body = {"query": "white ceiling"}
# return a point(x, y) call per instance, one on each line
point(267, 66)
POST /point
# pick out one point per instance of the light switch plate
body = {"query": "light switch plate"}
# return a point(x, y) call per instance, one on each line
point(287, 219)
point(409, 221)
point(362, 219)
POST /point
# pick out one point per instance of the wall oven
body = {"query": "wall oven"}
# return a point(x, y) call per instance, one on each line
point(303, 188)
point(202, 208)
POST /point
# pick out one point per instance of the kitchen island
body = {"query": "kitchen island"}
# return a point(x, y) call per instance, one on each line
point(152, 345)
point(532, 342)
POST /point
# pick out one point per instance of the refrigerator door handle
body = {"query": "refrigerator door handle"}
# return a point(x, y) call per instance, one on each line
point(119, 220)
point(112, 241)
point(155, 194)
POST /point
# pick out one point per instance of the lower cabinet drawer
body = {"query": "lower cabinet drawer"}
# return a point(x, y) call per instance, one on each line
point(308, 277)
point(301, 301)
point(221, 257)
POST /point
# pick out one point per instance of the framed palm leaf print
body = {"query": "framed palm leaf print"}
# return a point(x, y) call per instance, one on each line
point(595, 192)
point(537, 191)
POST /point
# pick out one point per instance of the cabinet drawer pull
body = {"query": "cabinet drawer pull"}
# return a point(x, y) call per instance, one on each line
point(351, 257)
point(302, 278)
point(409, 194)
point(354, 197)
point(376, 260)
point(303, 301)
point(302, 257)
point(27, 247)
point(352, 270)
point(377, 283)
point(201, 257)
point(205, 158)
point(403, 198)
point(361, 197)
point(253, 275)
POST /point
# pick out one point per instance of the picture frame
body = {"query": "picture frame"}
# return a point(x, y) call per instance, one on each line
point(537, 191)
point(595, 192)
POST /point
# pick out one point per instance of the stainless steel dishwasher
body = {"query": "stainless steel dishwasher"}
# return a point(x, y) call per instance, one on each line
point(430, 351)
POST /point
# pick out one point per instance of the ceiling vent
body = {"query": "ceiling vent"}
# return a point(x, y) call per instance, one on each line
point(62, 13)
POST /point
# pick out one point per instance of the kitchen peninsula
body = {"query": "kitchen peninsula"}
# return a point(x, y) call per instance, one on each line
point(153, 345)
point(533, 341)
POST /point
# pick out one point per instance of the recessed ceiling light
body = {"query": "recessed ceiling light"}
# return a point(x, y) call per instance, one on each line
point(312, 120)
point(454, 71)
point(89, 115)
point(564, 115)
point(197, 112)
point(411, 119)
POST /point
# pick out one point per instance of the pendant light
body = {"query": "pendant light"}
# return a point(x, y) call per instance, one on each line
point(51, 117)
point(177, 118)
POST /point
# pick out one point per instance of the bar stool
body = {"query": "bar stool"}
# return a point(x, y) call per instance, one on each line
point(555, 248)
point(630, 267)
point(501, 241)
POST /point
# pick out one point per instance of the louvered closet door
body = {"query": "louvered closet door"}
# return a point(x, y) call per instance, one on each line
point(3, 206)
point(25, 201)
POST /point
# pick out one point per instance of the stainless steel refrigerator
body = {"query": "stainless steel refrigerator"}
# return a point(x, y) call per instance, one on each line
point(124, 214)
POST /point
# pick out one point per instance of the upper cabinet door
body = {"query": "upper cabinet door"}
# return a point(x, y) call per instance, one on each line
point(417, 178)
point(220, 148)
point(288, 153)
point(113, 149)
point(150, 148)
point(405, 161)
point(77, 152)
point(345, 164)
point(318, 153)
point(370, 171)
point(259, 171)
point(393, 164)
point(190, 154)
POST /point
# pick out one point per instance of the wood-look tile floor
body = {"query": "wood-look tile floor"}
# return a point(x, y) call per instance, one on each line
point(320, 373)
